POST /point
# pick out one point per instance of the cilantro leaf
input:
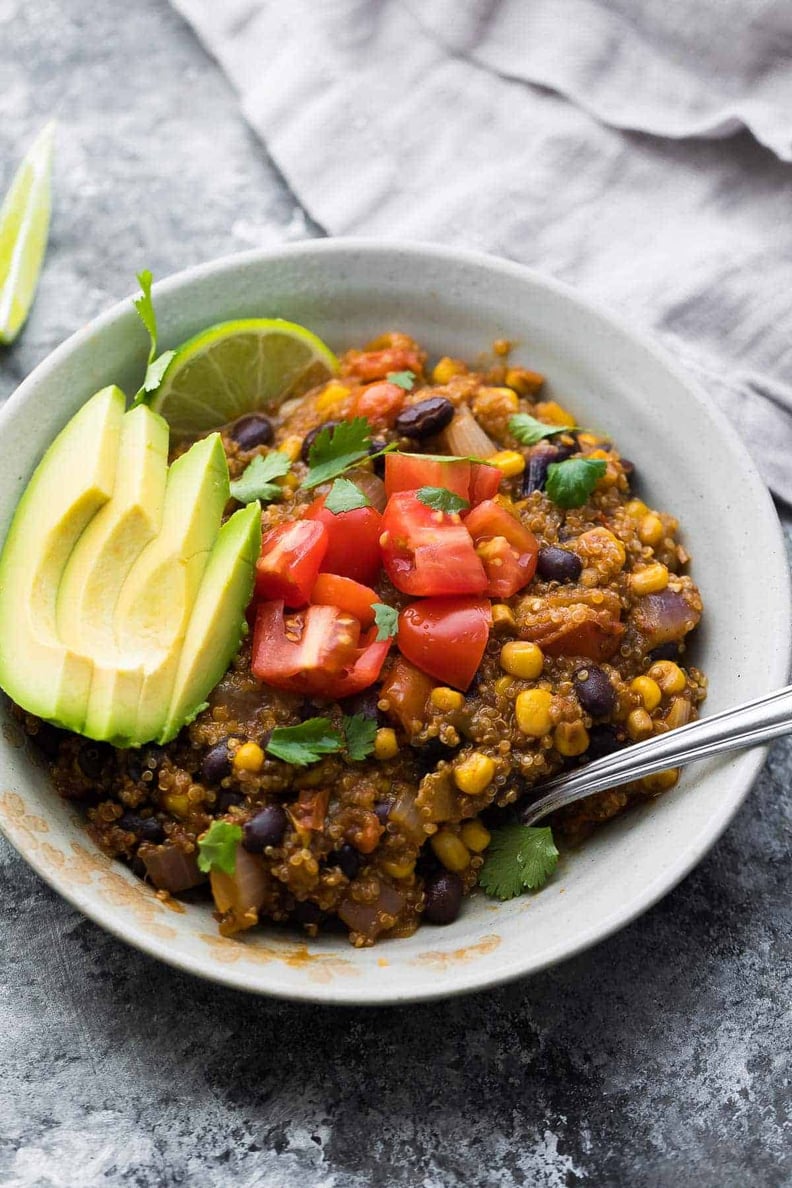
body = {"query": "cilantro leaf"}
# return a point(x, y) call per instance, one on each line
point(441, 499)
point(345, 496)
point(156, 370)
point(217, 848)
point(387, 619)
point(305, 743)
point(336, 449)
point(519, 858)
point(404, 379)
point(570, 483)
point(255, 482)
point(156, 367)
point(360, 732)
point(528, 430)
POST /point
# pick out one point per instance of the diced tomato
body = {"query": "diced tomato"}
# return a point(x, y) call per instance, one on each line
point(290, 558)
point(310, 809)
point(406, 690)
point(352, 597)
point(380, 404)
point(374, 365)
point(428, 552)
point(408, 472)
point(506, 548)
point(352, 541)
point(317, 652)
point(484, 482)
point(446, 637)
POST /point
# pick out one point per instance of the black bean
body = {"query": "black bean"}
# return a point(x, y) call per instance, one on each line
point(536, 470)
point(306, 913)
point(666, 651)
point(365, 703)
point(251, 431)
point(348, 858)
point(443, 897)
point(558, 565)
point(311, 437)
point(229, 799)
point(91, 759)
point(383, 812)
point(594, 691)
point(627, 466)
point(265, 829)
point(216, 763)
point(425, 418)
point(146, 828)
point(48, 739)
point(603, 740)
point(142, 764)
point(377, 445)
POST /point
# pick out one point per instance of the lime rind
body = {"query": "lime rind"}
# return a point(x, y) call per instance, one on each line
point(24, 230)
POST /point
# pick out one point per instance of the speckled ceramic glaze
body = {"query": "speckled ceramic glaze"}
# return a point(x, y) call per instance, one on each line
point(689, 462)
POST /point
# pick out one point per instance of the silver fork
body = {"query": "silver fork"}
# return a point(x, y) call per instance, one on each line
point(748, 725)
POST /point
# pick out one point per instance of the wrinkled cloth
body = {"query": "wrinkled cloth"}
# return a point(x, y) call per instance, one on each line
point(636, 149)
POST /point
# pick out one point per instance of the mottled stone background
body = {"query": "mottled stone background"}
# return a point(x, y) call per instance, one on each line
point(660, 1058)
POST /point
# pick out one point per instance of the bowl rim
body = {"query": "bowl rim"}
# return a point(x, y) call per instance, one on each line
point(472, 977)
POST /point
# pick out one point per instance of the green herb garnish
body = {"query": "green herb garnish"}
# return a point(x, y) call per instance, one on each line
point(336, 449)
point(156, 367)
point(387, 620)
point(519, 858)
point(344, 496)
point(255, 482)
point(528, 430)
point(306, 743)
point(218, 846)
point(360, 733)
point(570, 483)
point(441, 499)
point(403, 379)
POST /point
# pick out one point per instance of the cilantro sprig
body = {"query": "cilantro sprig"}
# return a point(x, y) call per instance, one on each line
point(345, 496)
point(570, 483)
point(337, 449)
point(305, 744)
point(360, 733)
point(156, 366)
point(403, 379)
point(441, 499)
point(529, 431)
point(519, 858)
point(217, 848)
point(256, 480)
point(387, 620)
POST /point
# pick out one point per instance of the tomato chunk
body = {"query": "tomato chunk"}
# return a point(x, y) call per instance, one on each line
point(380, 404)
point(290, 558)
point(352, 541)
point(406, 689)
point(428, 552)
point(506, 548)
point(408, 472)
point(484, 482)
point(351, 597)
point(446, 637)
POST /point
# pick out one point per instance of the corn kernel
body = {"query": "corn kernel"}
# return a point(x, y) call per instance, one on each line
point(475, 835)
point(386, 745)
point(522, 659)
point(554, 413)
point(450, 850)
point(508, 462)
point(502, 685)
point(399, 870)
point(532, 711)
point(291, 447)
point(661, 781)
point(651, 530)
point(249, 757)
point(177, 804)
point(526, 382)
point(447, 368)
point(648, 691)
point(289, 482)
point(333, 395)
point(502, 617)
point(669, 676)
point(570, 738)
point(639, 724)
point(473, 774)
point(446, 700)
point(636, 508)
point(650, 580)
point(495, 402)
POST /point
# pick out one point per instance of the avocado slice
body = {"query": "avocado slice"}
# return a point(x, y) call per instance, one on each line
point(106, 552)
point(156, 602)
point(218, 619)
point(74, 479)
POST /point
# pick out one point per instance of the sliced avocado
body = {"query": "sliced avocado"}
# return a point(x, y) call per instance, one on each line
point(106, 552)
point(157, 599)
point(74, 479)
point(218, 619)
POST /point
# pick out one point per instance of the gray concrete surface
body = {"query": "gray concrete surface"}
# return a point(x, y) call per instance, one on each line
point(660, 1058)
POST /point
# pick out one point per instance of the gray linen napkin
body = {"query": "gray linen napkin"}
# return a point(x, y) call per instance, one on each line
point(422, 119)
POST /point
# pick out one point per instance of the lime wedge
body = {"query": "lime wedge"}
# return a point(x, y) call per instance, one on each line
point(236, 368)
point(24, 225)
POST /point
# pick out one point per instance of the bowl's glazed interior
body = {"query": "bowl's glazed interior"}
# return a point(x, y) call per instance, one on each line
point(688, 462)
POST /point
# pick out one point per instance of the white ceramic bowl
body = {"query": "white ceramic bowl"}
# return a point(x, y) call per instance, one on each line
point(689, 461)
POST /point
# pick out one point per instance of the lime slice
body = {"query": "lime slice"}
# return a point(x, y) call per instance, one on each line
point(239, 367)
point(24, 225)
